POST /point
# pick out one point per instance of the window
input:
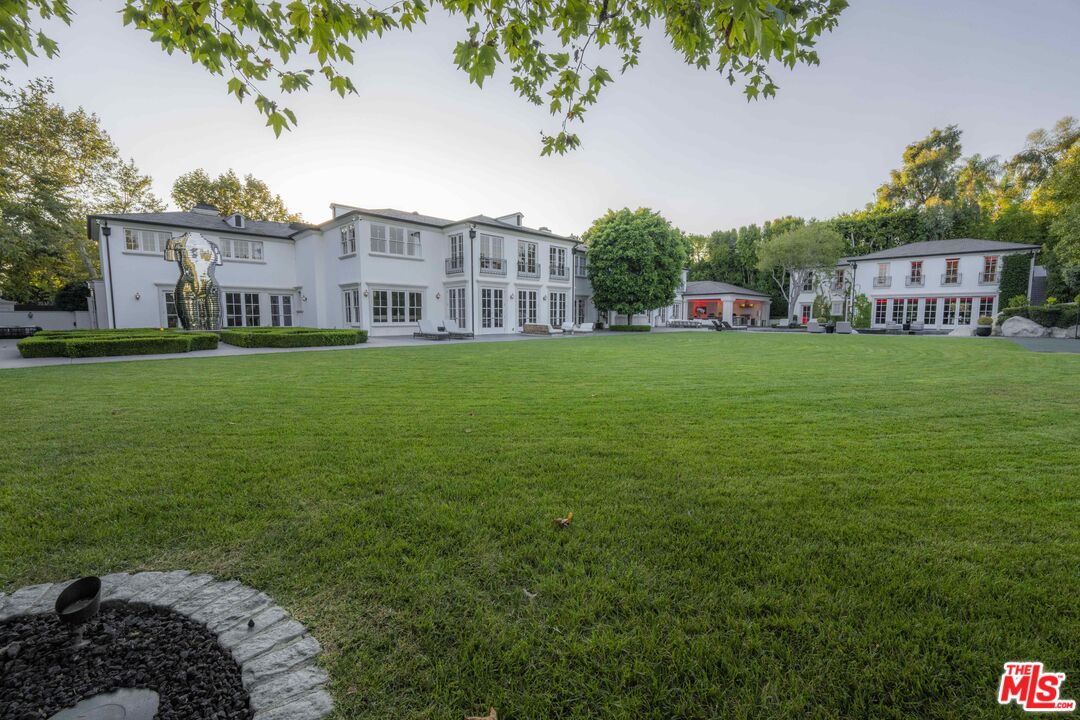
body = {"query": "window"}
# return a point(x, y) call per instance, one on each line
point(380, 306)
point(251, 309)
point(948, 315)
point(491, 307)
point(526, 307)
point(880, 308)
point(912, 314)
point(491, 249)
point(413, 248)
point(916, 272)
point(808, 282)
point(241, 249)
point(838, 308)
point(930, 311)
point(990, 269)
point(883, 279)
point(396, 306)
point(172, 318)
point(963, 313)
point(527, 258)
point(883, 270)
point(348, 240)
point(804, 316)
point(986, 307)
point(397, 240)
point(457, 305)
point(952, 271)
point(351, 298)
point(238, 220)
point(281, 310)
point(581, 265)
point(898, 310)
point(416, 306)
point(557, 309)
point(581, 304)
point(557, 255)
point(147, 241)
point(457, 247)
point(234, 310)
point(378, 238)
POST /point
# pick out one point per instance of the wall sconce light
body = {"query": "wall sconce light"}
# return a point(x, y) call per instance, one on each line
point(438, 296)
point(138, 296)
point(365, 292)
point(545, 298)
point(511, 296)
point(303, 298)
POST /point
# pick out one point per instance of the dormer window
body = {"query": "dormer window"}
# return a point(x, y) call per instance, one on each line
point(237, 220)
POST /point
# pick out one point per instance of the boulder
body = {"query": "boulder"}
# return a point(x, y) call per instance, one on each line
point(1063, 332)
point(1022, 327)
point(962, 332)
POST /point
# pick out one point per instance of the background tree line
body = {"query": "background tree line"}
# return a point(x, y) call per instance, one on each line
point(57, 167)
point(936, 193)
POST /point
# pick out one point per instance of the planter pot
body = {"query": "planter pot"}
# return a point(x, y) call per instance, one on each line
point(830, 328)
point(983, 330)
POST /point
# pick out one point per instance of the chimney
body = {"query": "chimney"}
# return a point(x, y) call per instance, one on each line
point(205, 209)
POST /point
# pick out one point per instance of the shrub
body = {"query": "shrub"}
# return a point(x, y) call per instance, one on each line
point(291, 337)
point(1015, 273)
point(1017, 301)
point(106, 343)
point(1060, 315)
point(861, 315)
point(1051, 300)
point(630, 328)
point(986, 320)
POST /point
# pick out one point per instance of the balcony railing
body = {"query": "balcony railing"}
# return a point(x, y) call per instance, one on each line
point(455, 265)
point(883, 281)
point(529, 271)
point(492, 266)
point(989, 278)
point(559, 272)
point(951, 278)
point(914, 281)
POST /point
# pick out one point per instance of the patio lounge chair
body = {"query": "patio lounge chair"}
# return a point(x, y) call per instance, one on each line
point(717, 325)
point(456, 331)
point(428, 331)
point(893, 328)
point(568, 328)
point(843, 328)
point(584, 328)
point(813, 326)
point(916, 327)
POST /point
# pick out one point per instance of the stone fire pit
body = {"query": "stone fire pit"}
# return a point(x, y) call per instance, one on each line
point(208, 649)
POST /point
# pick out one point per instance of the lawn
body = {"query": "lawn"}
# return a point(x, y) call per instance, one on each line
point(764, 525)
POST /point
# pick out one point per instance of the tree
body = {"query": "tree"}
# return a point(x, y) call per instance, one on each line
point(928, 173)
point(1030, 167)
point(250, 197)
point(799, 255)
point(56, 167)
point(860, 315)
point(636, 259)
point(549, 46)
point(1062, 198)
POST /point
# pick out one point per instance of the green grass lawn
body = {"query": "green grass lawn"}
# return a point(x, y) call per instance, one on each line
point(764, 525)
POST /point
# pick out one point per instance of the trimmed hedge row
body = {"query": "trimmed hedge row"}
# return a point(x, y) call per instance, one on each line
point(1062, 315)
point(291, 337)
point(630, 328)
point(106, 343)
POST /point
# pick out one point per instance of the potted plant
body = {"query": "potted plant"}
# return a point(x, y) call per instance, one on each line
point(985, 326)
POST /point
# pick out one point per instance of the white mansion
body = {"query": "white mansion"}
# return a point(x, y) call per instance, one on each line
point(940, 283)
point(379, 270)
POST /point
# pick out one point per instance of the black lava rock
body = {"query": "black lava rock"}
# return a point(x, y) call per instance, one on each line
point(129, 647)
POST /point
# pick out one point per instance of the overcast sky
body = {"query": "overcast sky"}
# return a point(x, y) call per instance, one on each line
point(418, 136)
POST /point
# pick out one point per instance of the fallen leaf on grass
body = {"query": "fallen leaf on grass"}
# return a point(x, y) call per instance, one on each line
point(564, 522)
point(529, 595)
point(492, 715)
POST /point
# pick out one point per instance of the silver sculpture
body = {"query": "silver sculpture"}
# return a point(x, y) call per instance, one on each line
point(198, 297)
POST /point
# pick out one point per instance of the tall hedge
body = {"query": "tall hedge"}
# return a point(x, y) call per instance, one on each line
point(1015, 272)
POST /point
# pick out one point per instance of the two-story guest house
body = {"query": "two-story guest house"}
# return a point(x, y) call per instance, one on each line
point(380, 270)
point(943, 284)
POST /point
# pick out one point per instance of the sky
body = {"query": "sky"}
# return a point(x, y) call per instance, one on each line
point(418, 136)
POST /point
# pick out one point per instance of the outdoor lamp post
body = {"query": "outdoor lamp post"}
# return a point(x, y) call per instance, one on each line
point(472, 286)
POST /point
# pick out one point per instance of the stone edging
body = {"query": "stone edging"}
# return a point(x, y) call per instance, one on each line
point(276, 655)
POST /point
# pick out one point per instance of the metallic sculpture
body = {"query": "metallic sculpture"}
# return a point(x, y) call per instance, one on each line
point(198, 297)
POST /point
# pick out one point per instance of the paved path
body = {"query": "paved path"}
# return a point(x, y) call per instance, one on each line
point(10, 357)
point(1062, 345)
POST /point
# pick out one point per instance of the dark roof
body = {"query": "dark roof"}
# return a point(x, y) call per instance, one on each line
point(493, 222)
point(403, 216)
point(709, 287)
point(957, 246)
point(202, 221)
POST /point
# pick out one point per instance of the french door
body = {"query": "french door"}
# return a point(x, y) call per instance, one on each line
point(526, 307)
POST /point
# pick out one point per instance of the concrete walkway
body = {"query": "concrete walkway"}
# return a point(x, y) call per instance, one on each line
point(1056, 345)
point(10, 357)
